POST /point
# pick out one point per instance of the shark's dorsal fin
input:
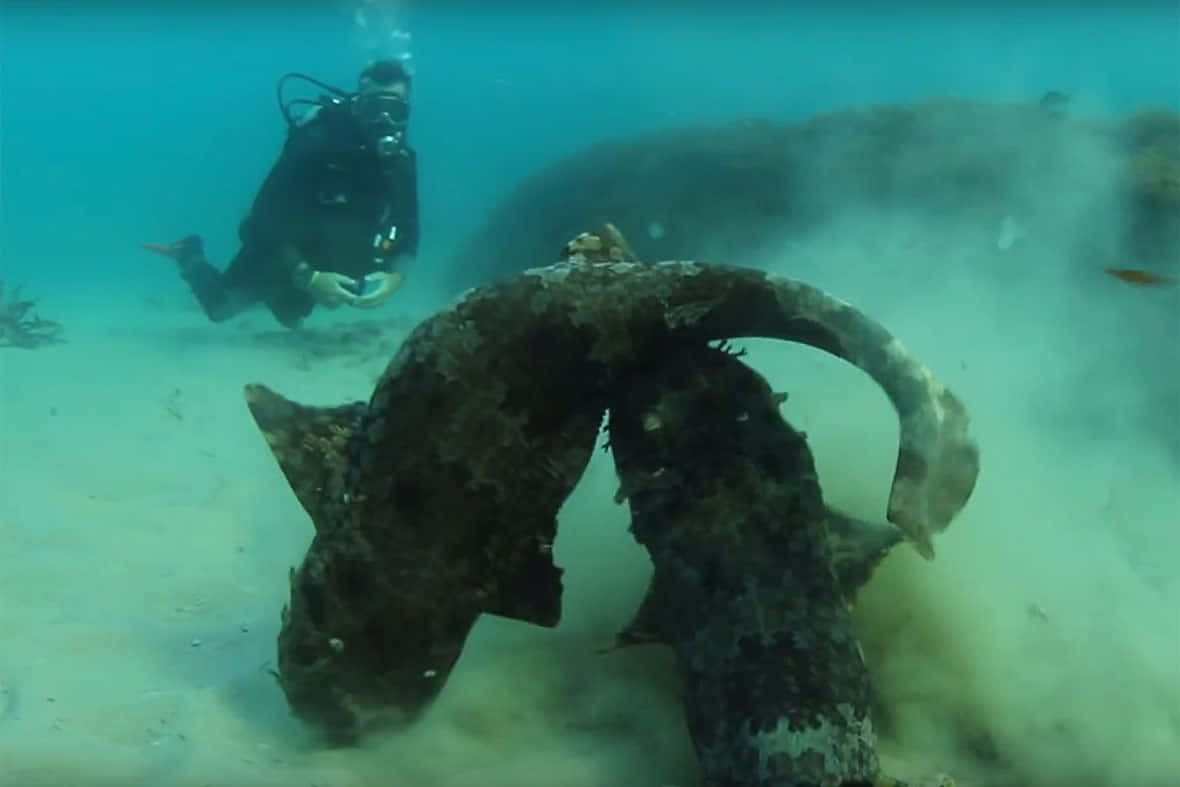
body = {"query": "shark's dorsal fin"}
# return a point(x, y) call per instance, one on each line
point(311, 446)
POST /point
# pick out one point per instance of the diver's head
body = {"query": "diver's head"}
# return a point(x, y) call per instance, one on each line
point(382, 103)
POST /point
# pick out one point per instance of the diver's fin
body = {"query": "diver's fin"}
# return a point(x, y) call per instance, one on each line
point(528, 587)
point(310, 444)
point(184, 250)
point(857, 547)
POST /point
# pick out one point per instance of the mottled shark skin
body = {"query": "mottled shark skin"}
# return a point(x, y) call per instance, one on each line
point(436, 501)
point(413, 544)
point(747, 588)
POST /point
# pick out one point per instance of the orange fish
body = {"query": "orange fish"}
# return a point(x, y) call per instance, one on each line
point(1138, 276)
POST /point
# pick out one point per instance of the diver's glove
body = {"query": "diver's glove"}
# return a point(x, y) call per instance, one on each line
point(327, 288)
point(386, 284)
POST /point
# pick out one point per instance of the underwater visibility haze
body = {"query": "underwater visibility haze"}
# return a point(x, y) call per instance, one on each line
point(997, 185)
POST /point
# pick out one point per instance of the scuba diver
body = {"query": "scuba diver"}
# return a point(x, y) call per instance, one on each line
point(336, 217)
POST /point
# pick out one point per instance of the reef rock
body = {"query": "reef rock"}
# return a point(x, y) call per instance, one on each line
point(729, 191)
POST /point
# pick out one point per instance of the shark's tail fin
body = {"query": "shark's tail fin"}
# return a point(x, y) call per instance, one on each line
point(311, 446)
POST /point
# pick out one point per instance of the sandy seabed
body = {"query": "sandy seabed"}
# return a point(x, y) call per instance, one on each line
point(147, 532)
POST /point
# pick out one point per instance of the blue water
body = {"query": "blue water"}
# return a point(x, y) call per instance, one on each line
point(126, 122)
point(145, 530)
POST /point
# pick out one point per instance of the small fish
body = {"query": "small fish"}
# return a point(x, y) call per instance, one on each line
point(1138, 276)
point(1010, 232)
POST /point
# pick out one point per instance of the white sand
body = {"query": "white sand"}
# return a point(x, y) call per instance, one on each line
point(146, 534)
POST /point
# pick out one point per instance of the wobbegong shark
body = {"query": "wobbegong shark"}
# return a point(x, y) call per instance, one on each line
point(753, 574)
point(436, 500)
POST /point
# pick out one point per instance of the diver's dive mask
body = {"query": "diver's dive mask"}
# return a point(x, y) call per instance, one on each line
point(386, 115)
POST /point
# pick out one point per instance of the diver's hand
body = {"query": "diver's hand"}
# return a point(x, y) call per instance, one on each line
point(387, 285)
point(331, 289)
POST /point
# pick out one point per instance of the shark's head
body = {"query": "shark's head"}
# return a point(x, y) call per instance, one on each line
point(347, 664)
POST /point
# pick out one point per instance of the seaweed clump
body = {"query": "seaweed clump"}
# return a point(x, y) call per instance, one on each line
point(19, 324)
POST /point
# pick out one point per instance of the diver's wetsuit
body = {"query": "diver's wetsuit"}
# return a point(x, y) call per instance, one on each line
point(322, 203)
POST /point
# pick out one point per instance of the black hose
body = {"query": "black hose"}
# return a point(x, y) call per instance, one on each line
point(284, 106)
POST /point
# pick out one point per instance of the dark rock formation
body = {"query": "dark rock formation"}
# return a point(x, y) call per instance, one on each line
point(726, 192)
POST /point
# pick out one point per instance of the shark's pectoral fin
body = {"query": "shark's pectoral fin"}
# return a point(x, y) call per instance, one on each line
point(528, 588)
point(311, 447)
point(644, 628)
point(857, 548)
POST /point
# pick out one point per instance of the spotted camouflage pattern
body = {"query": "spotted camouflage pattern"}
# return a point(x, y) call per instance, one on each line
point(747, 588)
point(436, 501)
